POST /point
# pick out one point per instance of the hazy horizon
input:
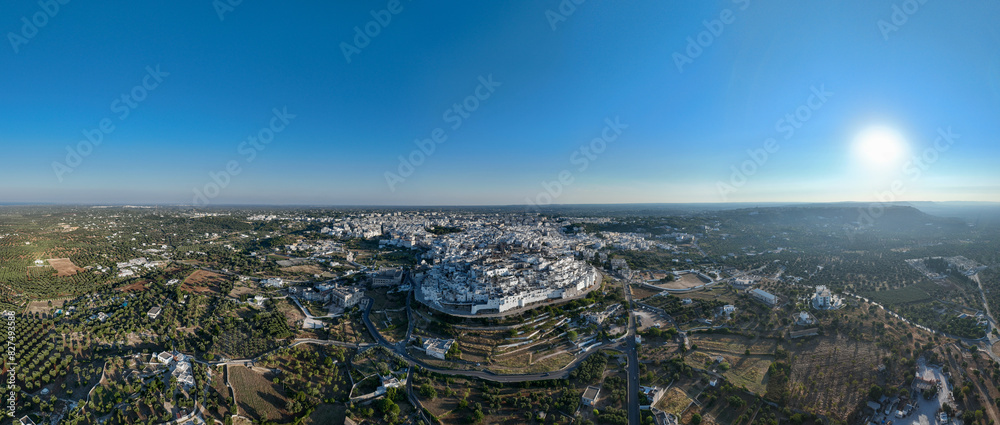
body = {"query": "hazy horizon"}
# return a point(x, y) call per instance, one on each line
point(417, 206)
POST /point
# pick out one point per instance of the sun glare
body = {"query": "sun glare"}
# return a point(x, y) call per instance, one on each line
point(879, 146)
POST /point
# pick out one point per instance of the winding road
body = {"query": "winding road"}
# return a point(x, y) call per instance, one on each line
point(991, 337)
point(400, 349)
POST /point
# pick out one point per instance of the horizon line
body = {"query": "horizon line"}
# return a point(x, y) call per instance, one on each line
point(290, 205)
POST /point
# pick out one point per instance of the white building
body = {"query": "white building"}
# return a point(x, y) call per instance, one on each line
point(275, 282)
point(346, 297)
point(804, 319)
point(437, 348)
point(390, 277)
point(742, 282)
point(154, 312)
point(590, 396)
point(822, 299)
point(182, 371)
point(165, 358)
point(764, 297)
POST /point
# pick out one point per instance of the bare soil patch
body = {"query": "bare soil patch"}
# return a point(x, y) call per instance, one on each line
point(685, 281)
point(203, 282)
point(139, 285)
point(64, 267)
point(642, 292)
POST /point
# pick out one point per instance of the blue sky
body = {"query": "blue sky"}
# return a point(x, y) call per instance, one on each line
point(221, 80)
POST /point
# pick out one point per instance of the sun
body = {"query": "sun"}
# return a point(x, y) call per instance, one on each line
point(880, 146)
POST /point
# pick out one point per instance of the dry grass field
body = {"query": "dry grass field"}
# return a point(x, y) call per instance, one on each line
point(257, 396)
point(827, 374)
point(308, 268)
point(674, 401)
point(43, 306)
point(292, 312)
point(326, 414)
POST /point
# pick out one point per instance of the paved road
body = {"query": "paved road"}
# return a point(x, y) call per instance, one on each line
point(991, 338)
point(633, 361)
point(300, 341)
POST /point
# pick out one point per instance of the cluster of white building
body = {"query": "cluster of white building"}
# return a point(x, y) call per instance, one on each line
point(495, 262)
point(180, 367)
point(497, 285)
point(322, 247)
point(133, 267)
point(274, 282)
point(328, 292)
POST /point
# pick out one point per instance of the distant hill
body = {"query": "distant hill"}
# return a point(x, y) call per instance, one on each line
point(976, 213)
point(896, 218)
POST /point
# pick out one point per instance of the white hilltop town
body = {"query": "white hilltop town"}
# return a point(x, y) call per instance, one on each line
point(495, 268)
point(498, 285)
point(487, 263)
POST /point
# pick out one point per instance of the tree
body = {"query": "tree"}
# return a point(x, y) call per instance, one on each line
point(736, 402)
point(695, 419)
point(428, 391)
point(571, 335)
point(388, 408)
point(454, 353)
point(875, 392)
